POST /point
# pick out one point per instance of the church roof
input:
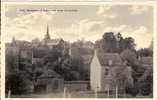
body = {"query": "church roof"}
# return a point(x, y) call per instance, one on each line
point(54, 41)
point(106, 58)
point(47, 35)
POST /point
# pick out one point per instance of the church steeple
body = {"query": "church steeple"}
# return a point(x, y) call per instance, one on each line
point(47, 36)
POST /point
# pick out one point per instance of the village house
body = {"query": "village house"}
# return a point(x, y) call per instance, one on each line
point(50, 81)
point(108, 72)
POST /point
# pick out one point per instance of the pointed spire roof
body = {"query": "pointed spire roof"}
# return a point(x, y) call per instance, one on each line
point(47, 36)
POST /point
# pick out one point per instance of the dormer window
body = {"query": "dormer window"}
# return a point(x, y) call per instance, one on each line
point(110, 62)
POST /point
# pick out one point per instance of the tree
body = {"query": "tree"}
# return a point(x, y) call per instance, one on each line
point(129, 43)
point(71, 69)
point(109, 42)
point(131, 58)
point(142, 77)
point(146, 82)
point(145, 52)
point(18, 83)
point(115, 43)
point(52, 56)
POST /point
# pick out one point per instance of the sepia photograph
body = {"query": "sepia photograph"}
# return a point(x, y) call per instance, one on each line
point(79, 51)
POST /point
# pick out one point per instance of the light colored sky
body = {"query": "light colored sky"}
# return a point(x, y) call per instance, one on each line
point(80, 21)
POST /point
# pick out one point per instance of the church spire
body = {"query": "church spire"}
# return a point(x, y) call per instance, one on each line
point(47, 36)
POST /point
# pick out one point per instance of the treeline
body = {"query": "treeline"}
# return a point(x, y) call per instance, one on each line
point(115, 43)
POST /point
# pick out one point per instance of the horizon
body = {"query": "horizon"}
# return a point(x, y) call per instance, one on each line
point(26, 22)
point(82, 39)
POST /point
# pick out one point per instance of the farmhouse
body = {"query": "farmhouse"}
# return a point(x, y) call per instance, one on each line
point(108, 71)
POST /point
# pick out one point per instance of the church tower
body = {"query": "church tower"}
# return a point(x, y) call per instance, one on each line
point(47, 36)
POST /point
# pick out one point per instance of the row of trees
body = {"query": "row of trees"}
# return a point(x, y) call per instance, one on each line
point(115, 43)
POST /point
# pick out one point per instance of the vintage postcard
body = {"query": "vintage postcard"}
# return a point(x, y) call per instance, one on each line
point(77, 50)
point(78, 0)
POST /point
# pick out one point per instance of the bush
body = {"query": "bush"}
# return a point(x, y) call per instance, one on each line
point(17, 83)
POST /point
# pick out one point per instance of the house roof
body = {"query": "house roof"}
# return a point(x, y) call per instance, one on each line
point(106, 59)
point(50, 74)
point(109, 58)
point(54, 41)
point(87, 58)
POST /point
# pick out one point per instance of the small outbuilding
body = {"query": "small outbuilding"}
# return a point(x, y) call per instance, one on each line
point(50, 81)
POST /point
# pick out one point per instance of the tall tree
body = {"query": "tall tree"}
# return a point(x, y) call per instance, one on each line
point(145, 52)
point(109, 42)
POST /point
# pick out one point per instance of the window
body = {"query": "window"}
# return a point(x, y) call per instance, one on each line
point(107, 71)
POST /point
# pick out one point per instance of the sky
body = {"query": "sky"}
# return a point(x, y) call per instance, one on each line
point(73, 22)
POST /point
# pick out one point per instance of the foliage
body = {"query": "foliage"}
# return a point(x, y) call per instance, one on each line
point(115, 42)
point(17, 83)
point(145, 52)
point(71, 67)
point(109, 42)
point(142, 77)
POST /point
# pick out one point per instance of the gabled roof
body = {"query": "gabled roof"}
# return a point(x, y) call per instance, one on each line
point(50, 74)
point(106, 58)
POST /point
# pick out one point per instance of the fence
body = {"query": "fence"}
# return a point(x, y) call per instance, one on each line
point(114, 93)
